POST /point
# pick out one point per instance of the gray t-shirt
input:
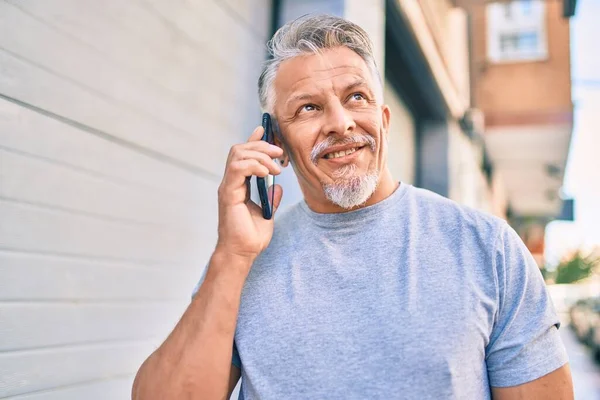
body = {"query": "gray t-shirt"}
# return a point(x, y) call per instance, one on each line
point(414, 297)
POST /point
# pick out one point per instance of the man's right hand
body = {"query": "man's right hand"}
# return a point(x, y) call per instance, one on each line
point(243, 232)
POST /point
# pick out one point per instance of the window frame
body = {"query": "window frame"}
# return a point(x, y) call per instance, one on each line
point(518, 23)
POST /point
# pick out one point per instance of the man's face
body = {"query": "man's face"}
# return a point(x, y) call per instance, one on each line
point(333, 125)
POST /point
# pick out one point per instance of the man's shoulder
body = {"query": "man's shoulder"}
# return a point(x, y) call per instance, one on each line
point(432, 209)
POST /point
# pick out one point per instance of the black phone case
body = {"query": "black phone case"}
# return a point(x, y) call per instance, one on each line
point(261, 183)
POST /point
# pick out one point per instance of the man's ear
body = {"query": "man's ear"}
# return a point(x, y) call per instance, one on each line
point(284, 160)
point(385, 120)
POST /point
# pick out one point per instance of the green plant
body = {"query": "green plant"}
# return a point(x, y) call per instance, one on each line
point(576, 268)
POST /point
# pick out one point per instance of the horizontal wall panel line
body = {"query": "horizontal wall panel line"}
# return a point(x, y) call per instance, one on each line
point(106, 97)
point(116, 140)
point(182, 33)
point(74, 385)
point(233, 13)
point(78, 346)
point(102, 217)
point(75, 256)
point(85, 171)
point(10, 352)
point(149, 78)
point(41, 302)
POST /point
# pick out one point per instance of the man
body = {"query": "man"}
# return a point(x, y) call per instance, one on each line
point(367, 289)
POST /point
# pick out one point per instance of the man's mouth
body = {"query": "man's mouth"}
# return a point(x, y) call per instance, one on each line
point(342, 151)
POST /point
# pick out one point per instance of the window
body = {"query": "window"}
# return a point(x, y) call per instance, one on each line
point(509, 41)
point(526, 7)
point(526, 42)
point(516, 31)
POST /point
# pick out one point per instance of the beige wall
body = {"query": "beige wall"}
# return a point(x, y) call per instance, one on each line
point(370, 15)
point(402, 149)
point(116, 118)
point(439, 32)
point(498, 196)
point(467, 184)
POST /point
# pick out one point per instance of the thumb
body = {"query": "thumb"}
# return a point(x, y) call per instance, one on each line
point(277, 194)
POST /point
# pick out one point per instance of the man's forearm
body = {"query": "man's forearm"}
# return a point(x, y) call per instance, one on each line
point(195, 360)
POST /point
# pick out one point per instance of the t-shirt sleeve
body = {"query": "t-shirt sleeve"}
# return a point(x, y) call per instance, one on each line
point(524, 344)
point(235, 359)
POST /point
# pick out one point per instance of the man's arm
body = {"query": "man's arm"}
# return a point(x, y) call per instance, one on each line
point(195, 360)
point(525, 357)
point(556, 385)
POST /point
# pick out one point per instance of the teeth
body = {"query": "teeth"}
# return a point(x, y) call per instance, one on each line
point(340, 153)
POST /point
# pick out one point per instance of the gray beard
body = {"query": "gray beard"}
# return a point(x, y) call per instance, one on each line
point(352, 191)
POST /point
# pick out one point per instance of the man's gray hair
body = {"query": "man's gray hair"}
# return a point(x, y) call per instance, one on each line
point(311, 34)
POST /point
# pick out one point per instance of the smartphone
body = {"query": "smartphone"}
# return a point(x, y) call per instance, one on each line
point(267, 184)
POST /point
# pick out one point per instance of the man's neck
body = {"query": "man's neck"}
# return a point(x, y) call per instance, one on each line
point(386, 186)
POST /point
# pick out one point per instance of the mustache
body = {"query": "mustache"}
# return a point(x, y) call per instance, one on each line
point(333, 141)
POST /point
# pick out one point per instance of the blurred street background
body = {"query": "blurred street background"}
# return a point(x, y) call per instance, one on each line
point(116, 118)
point(586, 372)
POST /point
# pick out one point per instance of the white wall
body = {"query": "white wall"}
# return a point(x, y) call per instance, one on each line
point(115, 121)
point(402, 148)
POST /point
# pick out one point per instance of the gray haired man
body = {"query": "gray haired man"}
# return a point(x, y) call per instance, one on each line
point(366, 289)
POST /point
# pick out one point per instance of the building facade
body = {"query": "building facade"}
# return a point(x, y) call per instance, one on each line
point(521, 80)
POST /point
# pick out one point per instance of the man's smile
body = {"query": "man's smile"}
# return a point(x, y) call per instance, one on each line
point(343, 154)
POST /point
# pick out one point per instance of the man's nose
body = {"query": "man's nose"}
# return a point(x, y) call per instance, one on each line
point(338, 120)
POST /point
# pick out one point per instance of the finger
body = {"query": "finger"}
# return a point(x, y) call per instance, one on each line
point(238, 171)
point(262, 158)
point(264, 147)
point(257, 134)
point(275, 196)
point(237, 151)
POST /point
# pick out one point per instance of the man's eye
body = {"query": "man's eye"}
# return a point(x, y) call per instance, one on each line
point(358, 96)
point(308, 107)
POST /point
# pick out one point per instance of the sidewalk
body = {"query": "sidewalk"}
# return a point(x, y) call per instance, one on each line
point(586, 373)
